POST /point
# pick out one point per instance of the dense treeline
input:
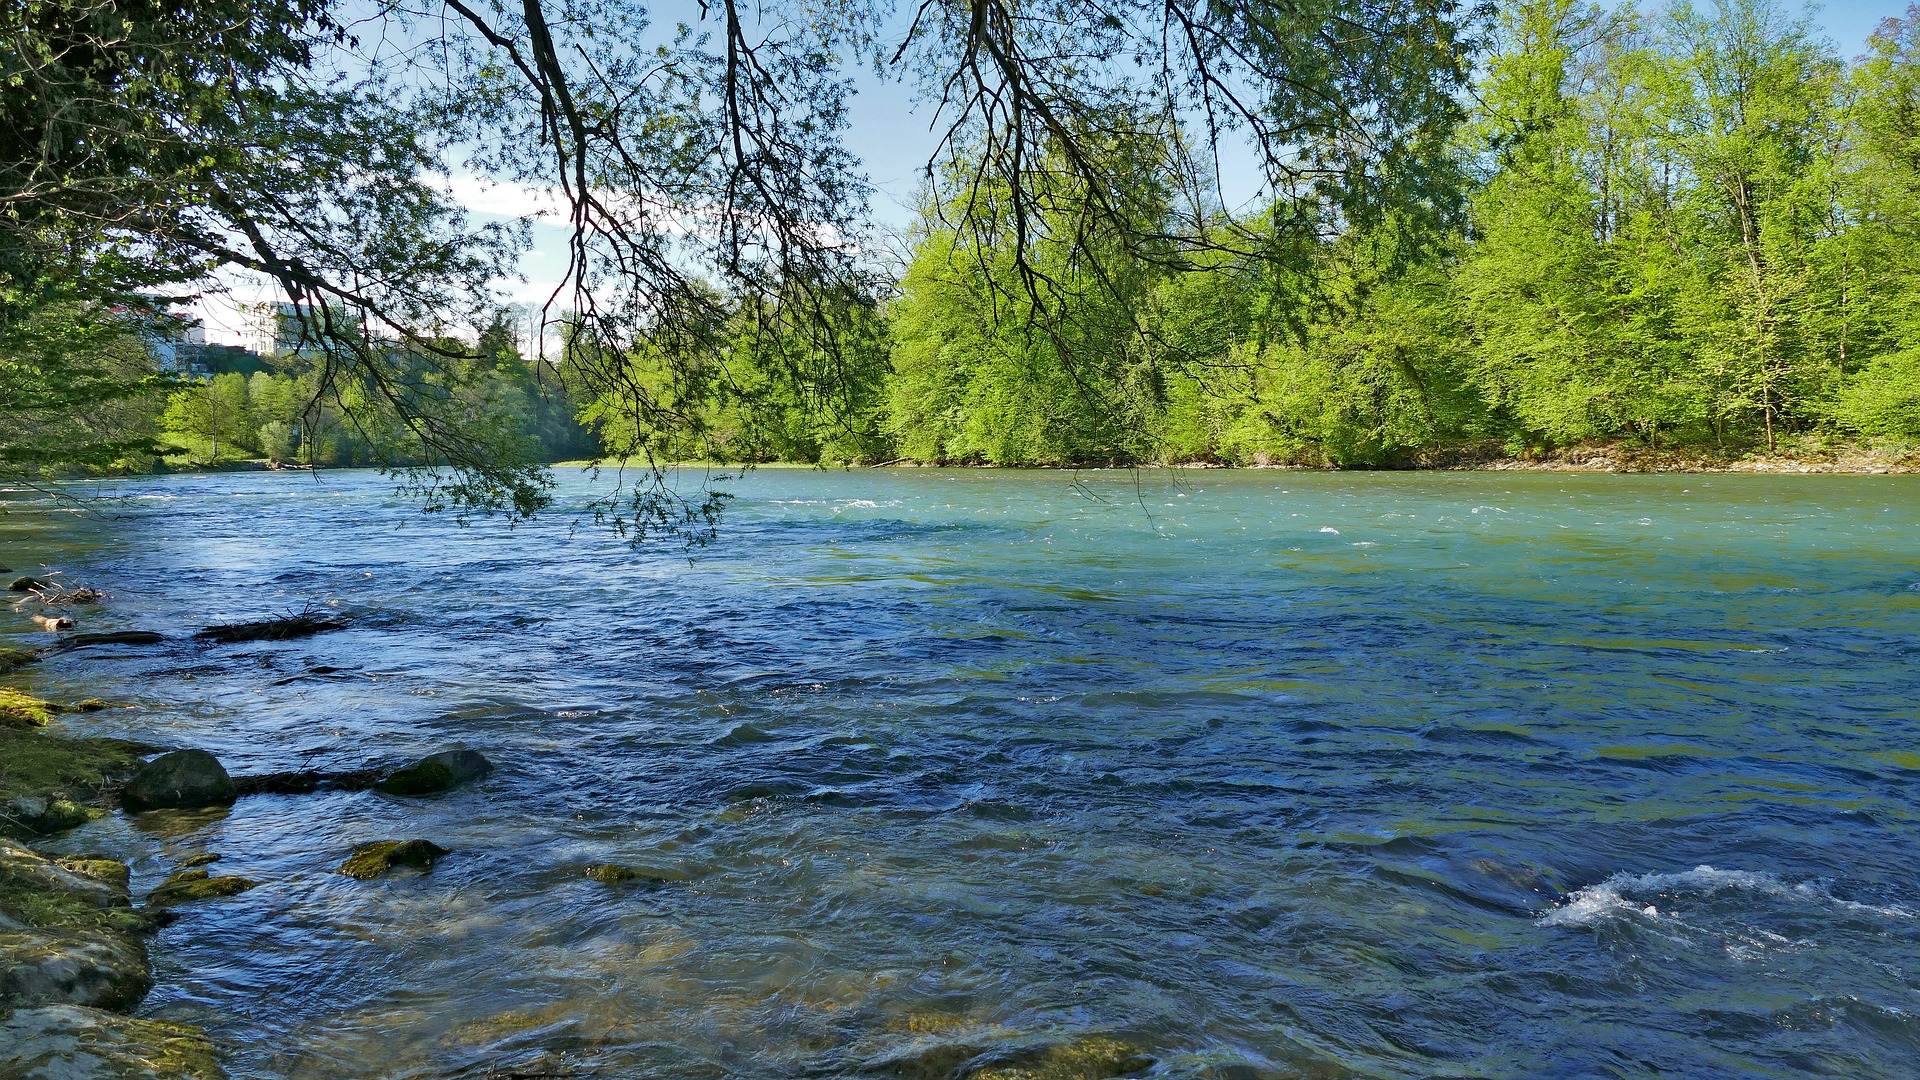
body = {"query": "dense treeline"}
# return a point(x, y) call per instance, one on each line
point(1667, 227)
point(1673, 228)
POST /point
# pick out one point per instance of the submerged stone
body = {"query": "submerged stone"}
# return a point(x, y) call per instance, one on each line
point(187, 886)
point(1094, 1057)
point(114, 637)
point(436, 773)
point(183, 778)
point(29, 583)
point(11, 658)
point(306, 782)
point(615, 874)
point(69, 1042)
point(369, 861)
point(941, 1062)
point(92, 704)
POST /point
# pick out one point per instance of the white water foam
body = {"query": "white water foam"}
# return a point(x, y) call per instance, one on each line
point(1625, 895)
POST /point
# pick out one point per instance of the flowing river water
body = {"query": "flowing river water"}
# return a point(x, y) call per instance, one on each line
point(1268, 774)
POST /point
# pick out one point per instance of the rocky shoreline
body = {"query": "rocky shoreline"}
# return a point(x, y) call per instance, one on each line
point(74, 960)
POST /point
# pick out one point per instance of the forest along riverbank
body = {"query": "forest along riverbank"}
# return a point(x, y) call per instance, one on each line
point(74, 960)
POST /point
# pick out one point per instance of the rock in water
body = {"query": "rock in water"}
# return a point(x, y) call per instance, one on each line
point(435, 773)
point(41, 966)
point(616, 874)
point(67, 1042)
point(29, 583)
point(1094, 1057)
point(187, 886)
point(66, 935)
point(369, 861)
point(184, 778)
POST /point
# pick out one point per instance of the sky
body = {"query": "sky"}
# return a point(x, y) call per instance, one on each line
point(893, 137)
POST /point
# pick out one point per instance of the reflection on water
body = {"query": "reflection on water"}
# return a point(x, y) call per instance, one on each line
point(1262, 774)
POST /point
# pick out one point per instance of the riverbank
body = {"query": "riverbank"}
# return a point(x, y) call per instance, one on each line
point(1806, 458)
point(74, 956)
point(73, 947)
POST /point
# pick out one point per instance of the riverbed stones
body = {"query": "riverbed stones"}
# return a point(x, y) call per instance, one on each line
point(11, 658)
point(48, 783)
point(29, 583)
point(1091, 1057)
point(181, 779)
point(70, 1042)
point(370, 860)
point(38, 967)
point(1095, 1057)
point(436, 773)
point(188, 886)
point(30, 881)
point(66, 933)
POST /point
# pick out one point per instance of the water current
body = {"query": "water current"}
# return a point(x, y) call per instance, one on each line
point(1267, 774)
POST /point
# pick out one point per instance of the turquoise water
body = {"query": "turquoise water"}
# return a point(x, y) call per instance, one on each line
point(1270, 774)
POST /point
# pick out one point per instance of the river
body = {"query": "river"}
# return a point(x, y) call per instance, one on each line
point(1269, 774)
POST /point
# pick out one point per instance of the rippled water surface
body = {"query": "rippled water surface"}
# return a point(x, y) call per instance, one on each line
point(1269, 774)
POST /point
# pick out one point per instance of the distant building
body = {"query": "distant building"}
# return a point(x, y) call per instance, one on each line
point(175, 343)
point(272, 328)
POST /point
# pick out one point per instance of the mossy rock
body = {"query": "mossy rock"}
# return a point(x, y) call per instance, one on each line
point(43, 967)
point(18, 710)
point(66, 775)
point(369, 861)
point(40, 814)
point(92, 704)
point(66, 934)
point(188, 886)
point(615, 874)
point(11, 658)
point(201, 859)
point(109, 872)
point(436, 773)
point(1094, 1057)
point(941, 1062)
point(40, 892)
point(72, 1041)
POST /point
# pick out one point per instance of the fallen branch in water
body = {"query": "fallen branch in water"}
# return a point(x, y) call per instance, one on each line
point(56, 594)
point(303, 624)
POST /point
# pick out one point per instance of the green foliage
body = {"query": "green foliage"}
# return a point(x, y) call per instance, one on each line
point(77, 391)
point(1682, 229)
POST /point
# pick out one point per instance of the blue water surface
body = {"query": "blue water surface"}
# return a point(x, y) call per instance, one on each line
point(1268, 774)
